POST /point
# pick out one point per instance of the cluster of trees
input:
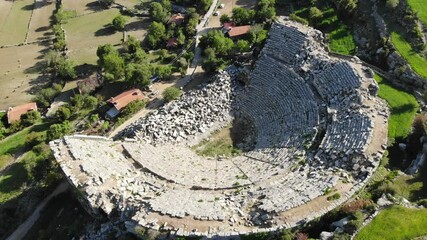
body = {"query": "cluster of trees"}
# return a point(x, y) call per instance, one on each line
point(45, 96)
point(133, 65)
point(217, 47)
point(55, 60)
point(159, 30)
point(265, 11)
point(201, 5)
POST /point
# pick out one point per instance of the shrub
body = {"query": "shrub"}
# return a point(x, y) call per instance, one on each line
point(56, 131)
point(119, 23)
point(30, 118)
point(299, 19)
point(171, 93)
point(63, 113)
point(336, 196)
point(33, 139)
point(356, 205)
point(133, 107)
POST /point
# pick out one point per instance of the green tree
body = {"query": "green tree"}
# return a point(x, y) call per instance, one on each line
point(346, 7)
point(138, 75)
point(57, 130)
point(204, 5)
point(242, 45)
point(171, 93)
point(266, 10)
point(163, 71)
point(132, 45)
point(242, 16)
point(224, 18)
point(315, 15)
point(156, 34)
point(30, 118)
point(65, 69)
point(90, 102)
point(114, 65)
point(119, 23)
point(63, 113)
point(180, 38)
point(158, 12)
point(190, 28)
point(133, 107)
point(104, 50)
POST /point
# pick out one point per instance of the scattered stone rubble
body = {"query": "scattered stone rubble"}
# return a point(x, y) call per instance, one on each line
point(312, 121)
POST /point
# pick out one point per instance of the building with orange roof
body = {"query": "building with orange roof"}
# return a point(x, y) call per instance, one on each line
point(176, 18)
point(239, 31)
point(120, 101)
point(15, 113)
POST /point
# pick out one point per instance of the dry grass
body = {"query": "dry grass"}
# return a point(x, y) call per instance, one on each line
point(14, 28)
point(18, 73)
point(83, 39)
point(40, 22)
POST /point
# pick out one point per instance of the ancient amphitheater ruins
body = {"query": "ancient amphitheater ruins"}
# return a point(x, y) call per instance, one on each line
point(308, 123)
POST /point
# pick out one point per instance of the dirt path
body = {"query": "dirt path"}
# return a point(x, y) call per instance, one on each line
point(22, 230)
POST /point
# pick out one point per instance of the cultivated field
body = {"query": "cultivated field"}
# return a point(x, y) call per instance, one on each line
point(229, 5)
point(40, 22)
point(83, 39)
point(17, 73)
point(14, 20)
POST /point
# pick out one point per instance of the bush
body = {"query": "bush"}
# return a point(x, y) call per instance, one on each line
point(119, 23)
point(133, 107)
point(30, 118)
point(171, 93)
point(336, 196)
point(296, 18)
point(356, 205)
point(63, 113)
point(56, 131)
point(33, 139)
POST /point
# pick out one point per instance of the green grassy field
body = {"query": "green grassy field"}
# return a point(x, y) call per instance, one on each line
point(396, 223)
point(340, 36)
point(13, 143)
point(420, 7)
point(15, 27)
point(13, 180)
point(417, 62)
point(403, 107)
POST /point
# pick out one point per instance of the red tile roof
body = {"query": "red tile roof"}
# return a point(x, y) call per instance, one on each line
point(228, 25)
point(14, 113)
point(238, 31)
point(172, 42)
point(123, 99)
point(176, 18)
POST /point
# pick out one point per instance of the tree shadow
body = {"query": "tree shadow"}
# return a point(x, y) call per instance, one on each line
point(403, 109)
point(13, 178)
point(105, 31)
point(94, 6)
point(137, 25)
point(86, 69)
point(42, 29)
point(38, 83)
